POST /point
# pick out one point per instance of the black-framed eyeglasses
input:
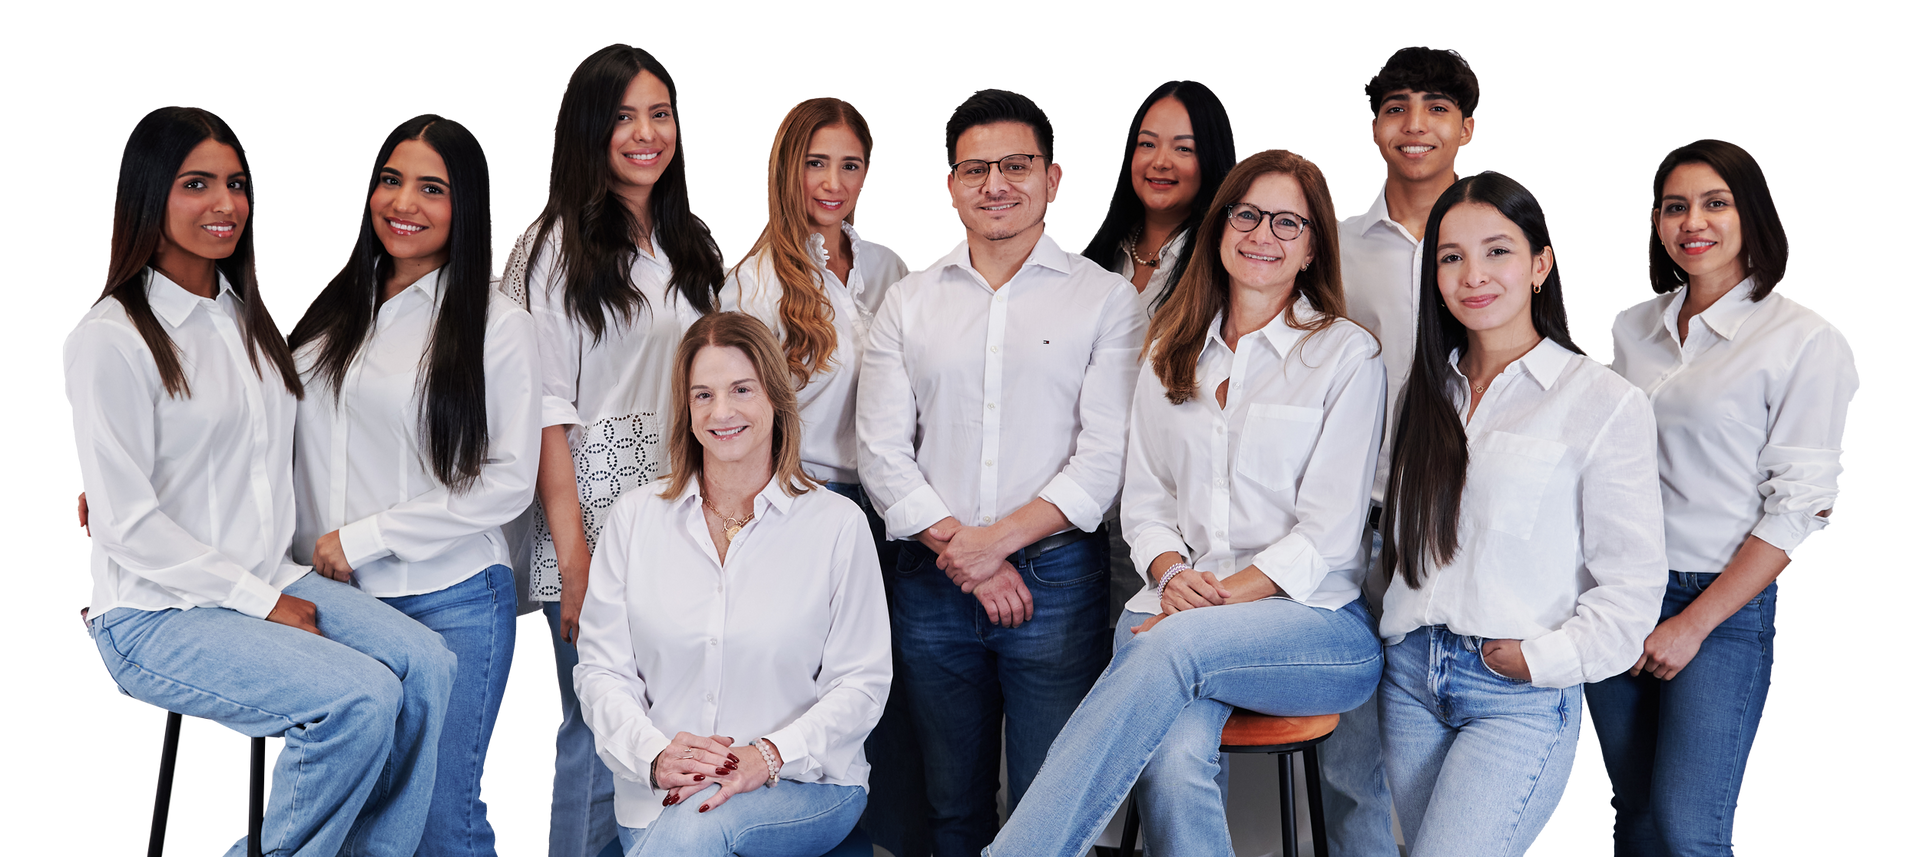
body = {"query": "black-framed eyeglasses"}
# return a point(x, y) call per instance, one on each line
point(1014, 168)
point(1243, 217)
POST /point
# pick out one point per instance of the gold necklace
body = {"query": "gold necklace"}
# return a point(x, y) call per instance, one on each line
point(730, 526)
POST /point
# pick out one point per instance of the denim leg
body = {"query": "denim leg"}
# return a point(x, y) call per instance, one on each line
point(476, 619)
point(582, 822)
point(1275, 656)
point(1050, 662)
point(1353, 774)
point(1491, 754)
point(1188, 770)
point(789, 820)
point(360, 709)
point(1677, 750)
point(950, 678)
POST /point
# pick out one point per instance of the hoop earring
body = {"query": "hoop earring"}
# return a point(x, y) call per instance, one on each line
point(1536, 288)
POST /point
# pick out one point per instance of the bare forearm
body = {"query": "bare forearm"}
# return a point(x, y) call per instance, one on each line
point(1754, 566)
point(1036, 520)
point(1250, 584)
point(560, 494)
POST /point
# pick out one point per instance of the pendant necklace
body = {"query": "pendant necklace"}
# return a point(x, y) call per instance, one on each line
point(730, 526)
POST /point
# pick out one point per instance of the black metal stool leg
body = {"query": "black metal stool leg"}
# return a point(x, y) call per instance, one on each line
point(256, 796)
point(163, 793)
point(1289, 826)
point(1316, 811)
point(1130, 829)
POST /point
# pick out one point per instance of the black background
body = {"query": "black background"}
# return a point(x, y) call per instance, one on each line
point(1581, 123)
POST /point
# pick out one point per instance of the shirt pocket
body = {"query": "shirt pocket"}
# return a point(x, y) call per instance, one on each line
point(1507, 479)
point(1275, 441)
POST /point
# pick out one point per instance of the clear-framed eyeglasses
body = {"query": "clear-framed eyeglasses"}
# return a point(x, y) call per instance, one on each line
point(1013, 168)
point(1245, 217)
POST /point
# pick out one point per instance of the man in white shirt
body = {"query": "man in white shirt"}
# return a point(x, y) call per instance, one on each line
point(991, 418)
point(1423, 102)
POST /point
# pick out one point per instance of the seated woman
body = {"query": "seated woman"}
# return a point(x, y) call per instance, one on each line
point(737, 608)
point(1521, 527)
point(183, 400)
point(1248, 474)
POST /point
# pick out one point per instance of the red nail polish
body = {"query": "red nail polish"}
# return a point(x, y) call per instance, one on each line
point(699, 777)
point(732, 758)
point(703, 807)
point(720, 771)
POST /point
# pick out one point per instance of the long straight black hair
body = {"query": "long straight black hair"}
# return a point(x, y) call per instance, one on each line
point(1421, 518)
point(453, 387)
point(155, 150)
point(1212, 147)
point(596, 229)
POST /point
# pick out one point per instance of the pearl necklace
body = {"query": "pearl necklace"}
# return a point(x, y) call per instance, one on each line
point(1133, 249)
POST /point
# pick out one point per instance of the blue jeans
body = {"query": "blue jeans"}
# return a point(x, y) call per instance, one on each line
point(582, 823)
point(963, 674)
point(475, 619)
point(1187, 771)
point(1165, 697)
point(1477, 760)
point(1677, 750)
point(1353, 777)
point(360, 708)
point(788, 820)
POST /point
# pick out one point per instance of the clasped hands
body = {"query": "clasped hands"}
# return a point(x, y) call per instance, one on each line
point(1192, 589)
point(692, 763)
point(974, 559)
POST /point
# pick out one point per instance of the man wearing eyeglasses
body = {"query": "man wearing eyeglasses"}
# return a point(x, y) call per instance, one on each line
point(992, 423)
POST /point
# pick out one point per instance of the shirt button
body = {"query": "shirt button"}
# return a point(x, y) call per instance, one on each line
point(1219, 429)
point(990, 406)
point(709, 697)
point(986, 519)
point(713, 641)
point(1218, 534)
point(989, 462)
point(994, 348)
point(1220, 481)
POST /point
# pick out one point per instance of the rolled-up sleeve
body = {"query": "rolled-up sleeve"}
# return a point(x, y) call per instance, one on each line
point(886, 419)
point(1089, 484)
point(1150, 500)
point(558, 338)
point(1801, 458)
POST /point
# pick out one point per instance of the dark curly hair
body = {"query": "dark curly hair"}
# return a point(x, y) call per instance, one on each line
point(1426, 70)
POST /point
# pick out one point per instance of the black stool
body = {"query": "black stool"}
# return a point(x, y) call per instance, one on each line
point(1249, 732)
point(163, 795)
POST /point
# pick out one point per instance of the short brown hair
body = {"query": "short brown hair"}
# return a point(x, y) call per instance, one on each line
point(756, 341)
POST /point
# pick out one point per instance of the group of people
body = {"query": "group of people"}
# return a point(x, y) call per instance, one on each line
point(815, 535)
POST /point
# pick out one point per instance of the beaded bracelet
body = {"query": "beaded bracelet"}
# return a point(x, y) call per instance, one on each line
point(773, 767)
point(1172, 572)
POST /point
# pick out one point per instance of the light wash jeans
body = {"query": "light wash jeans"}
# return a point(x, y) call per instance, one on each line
point(788, 820)
point(360, 708)
point(1477, 761)
point(582, 823)
point(1187, 771)
point(1353, 776)
point(1183, 678)
point(475, 618)
point(1676, 750)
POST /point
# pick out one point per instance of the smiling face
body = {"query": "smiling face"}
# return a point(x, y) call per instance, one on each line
point(1165, 169)
point(1257, 259)
point(207, 207)
point(1419, 134)
point(1000, 209)
point(411, 207)
point(644, 134)
point(730, 412)
point(1487, 272)
point(836, 168)
point(1700, 226)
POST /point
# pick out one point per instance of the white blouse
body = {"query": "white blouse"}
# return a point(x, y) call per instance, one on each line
point(1560, 535)
point(1750, 411)
point(1157, 280)
point(360, 464)
point(190, 498)
point(1279, 479)
point(975, 401)
point(787, 640)
point(828, 449)
point(611, 393)
point(1380, 264)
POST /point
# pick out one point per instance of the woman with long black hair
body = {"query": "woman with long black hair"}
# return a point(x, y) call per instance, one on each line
point(614, 271)
point(1522, 532)
point(419, 436)
point(184, 398)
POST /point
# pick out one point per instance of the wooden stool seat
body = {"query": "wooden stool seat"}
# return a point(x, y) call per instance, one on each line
point(1252, 732)
point(1248, 729)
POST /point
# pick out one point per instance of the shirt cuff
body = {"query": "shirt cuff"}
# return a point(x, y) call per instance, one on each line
point(1787, 531)
point(1073, 502)
point(1294, 565)
point(650, 748)
point(252, 596)
point(1552, 660)
point(914, 513)
point(1149, 548)
point(555, 411)
point(795, 760)
point(362, 543)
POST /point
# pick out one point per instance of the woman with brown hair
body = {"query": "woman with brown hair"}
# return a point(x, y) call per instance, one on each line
point(734, 635)
point(1249, 466)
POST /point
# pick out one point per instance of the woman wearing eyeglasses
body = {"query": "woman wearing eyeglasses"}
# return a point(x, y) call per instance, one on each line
point(1248, 475)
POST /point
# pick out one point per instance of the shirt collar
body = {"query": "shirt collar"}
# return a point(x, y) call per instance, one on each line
point(1379, 217)
point(772, 495)
point(428, 285)
point(1045, 253)
point(1278, 334)
point(1724, 318)
point(172, 302)
point(1545, 363)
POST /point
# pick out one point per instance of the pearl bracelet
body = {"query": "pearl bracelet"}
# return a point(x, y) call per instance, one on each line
point(773, 767)
point(1172, 572)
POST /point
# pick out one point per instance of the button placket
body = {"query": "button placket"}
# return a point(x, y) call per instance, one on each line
point(990, 411)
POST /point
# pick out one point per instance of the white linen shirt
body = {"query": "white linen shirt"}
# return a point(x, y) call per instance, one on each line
point(360, 464)
point(1380, 264)
point(974, 401)
point(828, 449)
point(1560, 536)
point(1750, 412)
point(1156, 281)
point(787, 640)
point(189, 498)
point(1278, 479)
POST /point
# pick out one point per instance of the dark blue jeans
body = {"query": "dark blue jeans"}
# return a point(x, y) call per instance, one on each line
point(963, 675)
point(1677, 750)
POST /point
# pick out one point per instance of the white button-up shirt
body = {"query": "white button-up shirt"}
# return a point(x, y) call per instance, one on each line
point(190, 498)
point(1560, 533)
point(975, 401)
point(828, 449)
point(1156, 281)
point(360, 464)
point(787, 640)
point(1380, 264)
point(1750, 410)
point(1277, 479)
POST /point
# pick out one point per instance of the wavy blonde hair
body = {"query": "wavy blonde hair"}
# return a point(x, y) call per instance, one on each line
point(754, 339)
